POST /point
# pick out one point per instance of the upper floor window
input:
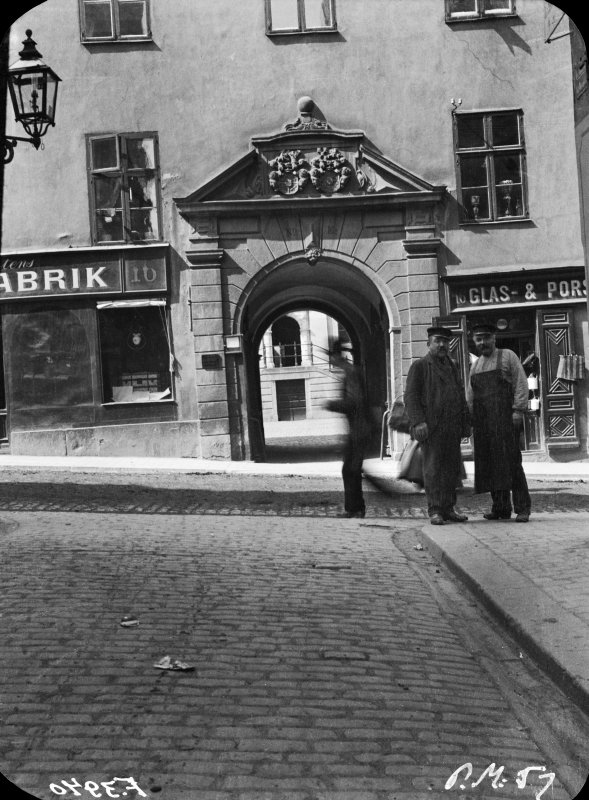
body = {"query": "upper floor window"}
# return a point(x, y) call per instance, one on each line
point(459, 10)
point(124, 187)
point(114, 20)
point(300, 16)
point(490, 158)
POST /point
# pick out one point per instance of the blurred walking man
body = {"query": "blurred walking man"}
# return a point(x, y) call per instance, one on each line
point(353, 403)
point(497, 395)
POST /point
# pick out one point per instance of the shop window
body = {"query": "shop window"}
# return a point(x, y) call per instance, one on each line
point(490, 158)
point(114, 20)
point(124, 187)
point(135, 352)
point(466, 10)
point(49, 360)
point(300, 16)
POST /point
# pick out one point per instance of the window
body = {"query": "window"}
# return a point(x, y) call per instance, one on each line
point(135, 351)
point(124, 189)
point(300, 16)
point(461, 10)
point(114, 20)
point(490, 159)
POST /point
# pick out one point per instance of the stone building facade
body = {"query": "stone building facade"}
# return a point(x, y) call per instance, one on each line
point(212, 172)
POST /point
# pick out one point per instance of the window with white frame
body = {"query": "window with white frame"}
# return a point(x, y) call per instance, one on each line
point(300, 16)
point(464, 10)
point(135, 351)
point(490, 157)
point(124, 187)
point(114, 20)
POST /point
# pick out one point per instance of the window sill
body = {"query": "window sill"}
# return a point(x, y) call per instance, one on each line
point(495, 222)
point(311, 31)
point(486, 18)
point(138, 403)
point(123, 243)
point(126, 40)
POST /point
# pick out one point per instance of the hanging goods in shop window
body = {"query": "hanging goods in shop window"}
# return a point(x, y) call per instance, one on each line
point(571, 367)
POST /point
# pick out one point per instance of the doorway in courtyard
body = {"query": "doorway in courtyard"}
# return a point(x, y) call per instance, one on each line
point(296, 381)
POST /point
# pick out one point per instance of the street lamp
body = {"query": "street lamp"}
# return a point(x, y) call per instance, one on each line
point(33, 92)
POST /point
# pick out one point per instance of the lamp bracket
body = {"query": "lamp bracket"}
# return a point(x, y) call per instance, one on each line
point(8, 143)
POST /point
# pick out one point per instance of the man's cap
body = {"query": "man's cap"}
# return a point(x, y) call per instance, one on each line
point(484, 326)
point(437, 331)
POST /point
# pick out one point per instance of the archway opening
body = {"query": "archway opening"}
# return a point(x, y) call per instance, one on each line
point(308, 296)
point(296, 381)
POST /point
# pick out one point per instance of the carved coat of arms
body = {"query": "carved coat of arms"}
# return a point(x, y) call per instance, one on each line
point(288, 172)
point(329, 170)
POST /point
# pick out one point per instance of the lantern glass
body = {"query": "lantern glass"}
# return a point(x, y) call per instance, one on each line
point(33, 93)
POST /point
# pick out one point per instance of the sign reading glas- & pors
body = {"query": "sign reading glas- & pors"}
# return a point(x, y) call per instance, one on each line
point(555, 288)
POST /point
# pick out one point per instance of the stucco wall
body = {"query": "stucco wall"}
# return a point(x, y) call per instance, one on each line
point(211, 79)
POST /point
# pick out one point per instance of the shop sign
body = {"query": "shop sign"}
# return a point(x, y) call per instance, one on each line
point(531, 290)
point(23, 278)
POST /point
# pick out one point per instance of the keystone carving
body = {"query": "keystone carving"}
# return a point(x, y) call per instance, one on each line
point(313, 254)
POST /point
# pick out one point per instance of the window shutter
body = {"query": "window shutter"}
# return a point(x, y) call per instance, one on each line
point(560, 418)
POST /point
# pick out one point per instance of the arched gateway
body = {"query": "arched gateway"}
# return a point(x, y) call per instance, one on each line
point(311, 217)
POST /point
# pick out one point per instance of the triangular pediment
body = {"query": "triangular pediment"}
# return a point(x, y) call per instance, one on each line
point(308, 161)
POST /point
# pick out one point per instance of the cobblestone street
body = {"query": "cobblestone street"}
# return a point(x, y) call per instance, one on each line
point(332, 660)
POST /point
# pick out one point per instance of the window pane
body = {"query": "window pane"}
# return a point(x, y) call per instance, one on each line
point(509, 200)
point(132, 18)
point(107, 192)
point(141, 191)
point(97, 20)
point(509, 189)
point(135, 354)
point(473, 171)
point(143, 224)
point(507, 168)
point(108, 208)
point(476, 203)
point(498, 6)
point(505, 129)
point(109, 227)
point(463, 7)
point(104, 153)
point(140, 154)
point(285, 15)
point(470, 131)
point(318, 14)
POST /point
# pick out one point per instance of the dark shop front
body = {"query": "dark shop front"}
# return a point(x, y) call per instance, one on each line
point(86, 343)
point(540, 316)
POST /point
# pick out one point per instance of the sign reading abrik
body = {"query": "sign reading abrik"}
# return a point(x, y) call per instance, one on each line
point(22, 278)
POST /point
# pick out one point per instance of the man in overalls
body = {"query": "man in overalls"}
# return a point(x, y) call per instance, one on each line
point(497, 395)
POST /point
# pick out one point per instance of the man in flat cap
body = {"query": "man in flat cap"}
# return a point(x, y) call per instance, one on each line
point(437, 410)
point(497, 395)
point(353, 403)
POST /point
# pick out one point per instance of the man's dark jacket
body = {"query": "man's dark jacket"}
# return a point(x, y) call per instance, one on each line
point(434, 394)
